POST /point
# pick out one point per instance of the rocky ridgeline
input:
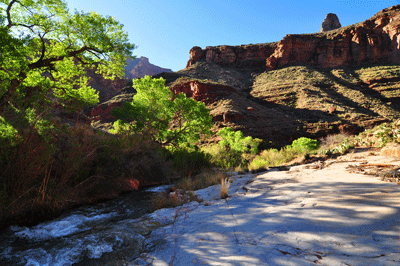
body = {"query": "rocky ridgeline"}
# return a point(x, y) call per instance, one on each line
point(374, 40)
point(141, 67)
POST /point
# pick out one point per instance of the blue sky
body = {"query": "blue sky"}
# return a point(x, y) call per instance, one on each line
point(165, 31)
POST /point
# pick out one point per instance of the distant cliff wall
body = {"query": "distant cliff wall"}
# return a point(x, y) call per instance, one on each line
point(376, 40)
point(243, 56)
point(141, 67)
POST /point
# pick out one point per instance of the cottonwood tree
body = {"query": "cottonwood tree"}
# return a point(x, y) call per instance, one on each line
point(171, 119)
point(44, 51)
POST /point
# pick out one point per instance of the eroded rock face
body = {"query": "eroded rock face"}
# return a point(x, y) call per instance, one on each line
point(372, 41)
point(107, 88)
point(243, 56)
point(331, 22)
point(204, 92)
point(102, 112)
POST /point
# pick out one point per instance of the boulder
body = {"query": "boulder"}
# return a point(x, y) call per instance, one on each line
point(391, 149)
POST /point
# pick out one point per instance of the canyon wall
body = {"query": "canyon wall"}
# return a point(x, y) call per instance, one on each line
point(376, 40)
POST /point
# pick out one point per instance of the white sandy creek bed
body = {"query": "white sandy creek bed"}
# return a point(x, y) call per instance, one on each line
point(302, 216)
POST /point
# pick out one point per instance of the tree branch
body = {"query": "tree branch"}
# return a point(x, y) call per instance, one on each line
point(176, 135)
point(49, 61)
point(10, 23)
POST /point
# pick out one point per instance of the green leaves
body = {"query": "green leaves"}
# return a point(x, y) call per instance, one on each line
point(237, 142)
point(304, 144)
point(174, 119)
point(44, 48)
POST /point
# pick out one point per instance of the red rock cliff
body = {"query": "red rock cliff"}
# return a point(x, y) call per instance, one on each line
point(252, 55)
point(374, 40)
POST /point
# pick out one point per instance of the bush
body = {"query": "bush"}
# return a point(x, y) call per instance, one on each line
point(303, 144)
point(189, 162)
point(237, 142)
point(225, 158)
point(273, 157)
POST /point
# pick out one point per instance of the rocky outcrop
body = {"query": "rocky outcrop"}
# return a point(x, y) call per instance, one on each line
point(107, 88)
point(331, 22)
point(243, 56)
point(141, 67)
point(102, 112)
point(204, 92)
point(372, 41)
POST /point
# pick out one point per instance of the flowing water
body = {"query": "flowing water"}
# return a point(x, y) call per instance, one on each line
point(103, 234)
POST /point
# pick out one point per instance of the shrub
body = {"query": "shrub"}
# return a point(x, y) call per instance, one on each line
point(273, 157)
point(225, 158)
point(303, 144)
point(189, 161)
point(236, 141)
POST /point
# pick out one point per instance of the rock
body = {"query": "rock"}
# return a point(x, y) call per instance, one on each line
point(107, 88)
point(347, 128)
point(196, 54)
point(332, 110)
point(102, 112)
point(331, 22)
point(391, 150)
point(233, 116)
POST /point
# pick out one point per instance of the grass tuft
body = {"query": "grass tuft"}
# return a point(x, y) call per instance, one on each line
point(224, 188)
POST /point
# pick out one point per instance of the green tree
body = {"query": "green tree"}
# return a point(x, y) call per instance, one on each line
point(172, 119)
point(45, 51)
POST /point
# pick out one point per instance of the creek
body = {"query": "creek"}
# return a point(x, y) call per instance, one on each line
point(102, 234)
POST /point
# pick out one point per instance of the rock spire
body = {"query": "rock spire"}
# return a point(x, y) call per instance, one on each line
point(331, 22)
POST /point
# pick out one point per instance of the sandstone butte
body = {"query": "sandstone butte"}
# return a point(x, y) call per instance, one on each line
point(374, 40)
